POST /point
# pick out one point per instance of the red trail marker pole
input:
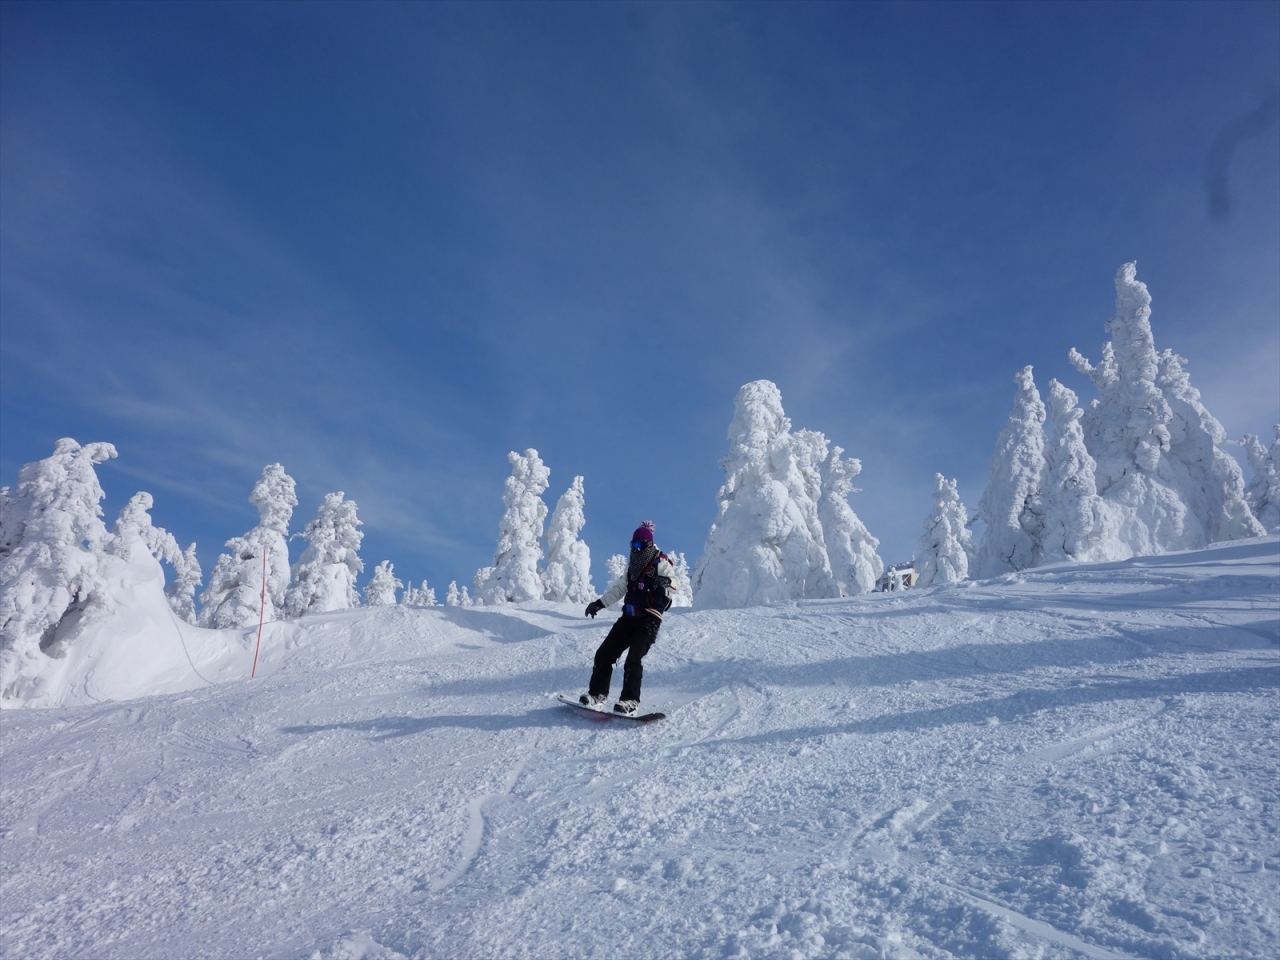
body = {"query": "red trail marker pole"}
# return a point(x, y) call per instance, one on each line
point(262, 612)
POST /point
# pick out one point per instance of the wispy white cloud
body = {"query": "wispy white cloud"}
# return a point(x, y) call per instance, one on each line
point(190, 331)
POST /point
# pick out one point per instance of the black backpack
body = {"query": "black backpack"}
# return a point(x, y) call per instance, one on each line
point(648, 591)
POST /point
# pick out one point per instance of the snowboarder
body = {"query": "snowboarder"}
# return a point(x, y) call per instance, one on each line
point(645, 590)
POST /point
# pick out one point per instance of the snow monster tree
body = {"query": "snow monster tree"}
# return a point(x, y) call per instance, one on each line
point(781, 505)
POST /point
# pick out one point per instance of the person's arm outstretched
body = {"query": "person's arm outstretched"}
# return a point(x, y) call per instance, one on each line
point(615, 592)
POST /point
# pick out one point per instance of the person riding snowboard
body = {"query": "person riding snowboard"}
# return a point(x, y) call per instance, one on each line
point(645, 591)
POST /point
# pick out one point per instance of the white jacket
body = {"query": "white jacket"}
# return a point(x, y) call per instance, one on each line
point(618, 589)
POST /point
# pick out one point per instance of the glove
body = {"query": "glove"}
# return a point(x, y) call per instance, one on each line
point(594, 607)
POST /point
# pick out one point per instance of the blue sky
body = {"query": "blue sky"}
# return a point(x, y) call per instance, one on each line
point(384, 244)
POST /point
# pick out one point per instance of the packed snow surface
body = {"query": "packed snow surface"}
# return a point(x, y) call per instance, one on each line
point(1073, 761)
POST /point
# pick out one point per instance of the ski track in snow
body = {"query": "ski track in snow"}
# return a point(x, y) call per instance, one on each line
point(1040, 930)
point(474, 836)
point(1077, 761)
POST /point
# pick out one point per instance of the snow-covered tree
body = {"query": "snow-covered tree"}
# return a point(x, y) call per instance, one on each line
point(66, 581)
point(381, 589)
point(1011, 506)
point(6, 504)
point(233, 597)
point(480, 581)
point(806, 480)
point(681, 583)
point(324, 578)
point(1160, 462)
point(456, 597)
point(946, 547)
point(181, 592)
point(134, 520)
point(766, 543)
point(1207, 476)
point(1077, 525)
point(616, 565)
point(422, 596)
point(53, 545)
point(851, 548)
point(1127, 425)
point(134, 524)
point(1263, 491)
point(514, 576)
point(567, 576)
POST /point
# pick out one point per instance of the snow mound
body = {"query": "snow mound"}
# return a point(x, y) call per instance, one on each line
point(142, 650)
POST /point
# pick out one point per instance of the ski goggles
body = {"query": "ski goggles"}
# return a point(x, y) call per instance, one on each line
point(639, 544)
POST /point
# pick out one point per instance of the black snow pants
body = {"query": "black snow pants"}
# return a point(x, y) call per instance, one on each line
point(635, 634)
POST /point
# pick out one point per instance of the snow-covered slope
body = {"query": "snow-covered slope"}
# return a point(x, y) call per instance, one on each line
point(1070, 761)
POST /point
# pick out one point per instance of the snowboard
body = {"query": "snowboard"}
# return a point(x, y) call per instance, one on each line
point(606, 713)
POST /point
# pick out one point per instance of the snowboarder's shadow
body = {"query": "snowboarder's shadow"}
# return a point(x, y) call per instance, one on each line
point(493, 624)
point(389, 728)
